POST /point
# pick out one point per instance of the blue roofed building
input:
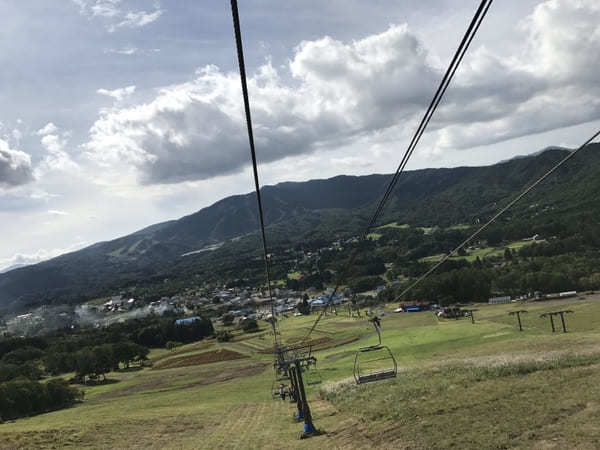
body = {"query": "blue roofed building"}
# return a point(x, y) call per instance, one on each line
point(187, 320)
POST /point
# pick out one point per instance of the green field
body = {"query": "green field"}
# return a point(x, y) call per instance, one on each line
point(460, 385)
point(481, 253)
point(401, 226)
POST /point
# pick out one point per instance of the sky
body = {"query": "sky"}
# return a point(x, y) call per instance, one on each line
point(117, 114)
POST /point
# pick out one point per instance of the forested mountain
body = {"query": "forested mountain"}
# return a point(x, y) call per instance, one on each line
point(308, 212)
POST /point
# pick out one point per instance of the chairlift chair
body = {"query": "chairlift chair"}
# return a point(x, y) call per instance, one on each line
point(373, 354)
point(277, 380)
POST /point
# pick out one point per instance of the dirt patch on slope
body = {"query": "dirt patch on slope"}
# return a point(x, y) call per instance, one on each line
point(154, 382)
point(200, 358)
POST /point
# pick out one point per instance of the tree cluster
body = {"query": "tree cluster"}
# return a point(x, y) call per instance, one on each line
point(23, 397)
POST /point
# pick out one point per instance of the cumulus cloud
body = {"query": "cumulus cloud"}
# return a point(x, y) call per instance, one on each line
point(195, 130)
point(553, 84)
point(49, 128)
point(15, 166)
point(115, 14)
point(56, 159)
point(118, 94)
point(333, 92)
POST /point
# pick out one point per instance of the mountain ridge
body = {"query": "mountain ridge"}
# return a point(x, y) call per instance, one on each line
point(340, 204)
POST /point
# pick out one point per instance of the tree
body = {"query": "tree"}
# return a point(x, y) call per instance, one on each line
point(508, 254)
point(125, 352)
point(85, 361)
point(363, 284)
point(303, 307)
point(227, 319)
point(20, 355)
point(104, 360)
point(151, 336)
point(494, 237)
point(249, 325)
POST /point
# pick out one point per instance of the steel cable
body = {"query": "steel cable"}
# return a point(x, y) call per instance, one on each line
point(443, 86)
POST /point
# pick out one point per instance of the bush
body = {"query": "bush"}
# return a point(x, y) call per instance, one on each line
point(22, 397)
point(249, 325)
point(172, 345)
point(227, 319)
point(224, 336)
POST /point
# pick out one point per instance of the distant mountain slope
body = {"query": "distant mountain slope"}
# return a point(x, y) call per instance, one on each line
point(295, 210)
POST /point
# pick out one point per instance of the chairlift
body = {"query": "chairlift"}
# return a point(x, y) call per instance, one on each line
point(368, 360)
point(277, 381)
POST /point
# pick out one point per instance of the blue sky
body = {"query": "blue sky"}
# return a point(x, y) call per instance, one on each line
point(116, 114)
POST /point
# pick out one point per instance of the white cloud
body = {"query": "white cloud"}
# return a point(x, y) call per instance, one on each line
point(118, 94)
point(56, 158)
point(26, 259)
point(49, 128)
point(553, 84)
point(17, 136)
point(137, 19)
point(105, 8)
point(131, 51)
point(40, 194)
point(565, 37)
point(128, 51)
point(195, 130)
point(15, 166)
point(336, 92)
point(115, 15)
point(56, 212)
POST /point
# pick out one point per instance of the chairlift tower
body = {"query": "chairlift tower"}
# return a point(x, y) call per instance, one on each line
point(518, 314)
point(562, 318)
point(293, 360)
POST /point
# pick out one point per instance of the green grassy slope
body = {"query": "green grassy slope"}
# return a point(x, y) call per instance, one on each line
point(460, 385)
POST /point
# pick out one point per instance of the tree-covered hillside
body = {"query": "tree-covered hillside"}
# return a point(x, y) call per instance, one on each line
point(312, 215)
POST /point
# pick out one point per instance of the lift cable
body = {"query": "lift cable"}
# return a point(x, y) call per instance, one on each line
point(456, 60)
point(435, 101)
point(498, 214)
point(240, 54)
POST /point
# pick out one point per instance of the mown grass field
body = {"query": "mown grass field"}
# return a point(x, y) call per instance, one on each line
point(481, 253)
point(460, 385)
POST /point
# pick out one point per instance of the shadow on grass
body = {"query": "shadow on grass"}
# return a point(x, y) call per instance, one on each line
point(130, 369)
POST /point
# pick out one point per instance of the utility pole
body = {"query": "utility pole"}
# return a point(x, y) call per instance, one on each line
point(518, 314)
